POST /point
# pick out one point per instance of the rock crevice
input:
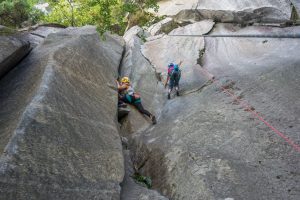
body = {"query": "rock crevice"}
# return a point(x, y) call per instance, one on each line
point(205, 143)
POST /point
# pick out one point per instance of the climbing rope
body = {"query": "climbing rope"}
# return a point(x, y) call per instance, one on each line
point(250, 109)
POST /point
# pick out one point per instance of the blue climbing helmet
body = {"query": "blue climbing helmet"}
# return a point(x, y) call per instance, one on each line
point(175, 66)
point(171, 65)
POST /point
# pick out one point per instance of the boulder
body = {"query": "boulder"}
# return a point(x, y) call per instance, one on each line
point(136, 30)
point(38, 35)
point(58, 120)
point(12, 50)
point(206, 144)
point(268, 11)
point(164, 26)
point(14, 46)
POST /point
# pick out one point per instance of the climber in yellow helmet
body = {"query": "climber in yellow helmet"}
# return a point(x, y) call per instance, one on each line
point(128, 95)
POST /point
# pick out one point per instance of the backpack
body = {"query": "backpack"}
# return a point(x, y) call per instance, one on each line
point(174, 72)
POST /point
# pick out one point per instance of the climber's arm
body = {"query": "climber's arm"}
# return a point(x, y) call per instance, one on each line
point(180, 63)
point(167, 80)
point(121, 87)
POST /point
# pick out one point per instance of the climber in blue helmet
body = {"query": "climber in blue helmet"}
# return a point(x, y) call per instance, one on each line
point(173, 78)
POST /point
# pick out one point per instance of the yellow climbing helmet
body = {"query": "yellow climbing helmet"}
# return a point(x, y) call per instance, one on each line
point(125, 79)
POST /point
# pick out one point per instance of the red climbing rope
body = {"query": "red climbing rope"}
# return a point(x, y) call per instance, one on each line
point(249, 108)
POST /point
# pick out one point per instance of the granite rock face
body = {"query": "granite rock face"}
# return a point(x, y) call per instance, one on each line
point(164, 26)
point(227, 10)
point(131, 190)
point(39, 33)
point(231, 137)
point(206, 144)
point(12, 50)
point(58, 127)
point(15, 45)
point(143, 79)
point(168, 49)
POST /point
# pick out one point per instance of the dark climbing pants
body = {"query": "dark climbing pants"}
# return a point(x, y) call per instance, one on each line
point(174, 80)
point(173, 83)
point(140, 108)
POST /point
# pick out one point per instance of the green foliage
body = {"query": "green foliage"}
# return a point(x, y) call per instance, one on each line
point(143, 180)
point(4, 31)
point(138, 14)
point(108, 15)
point(14, 12)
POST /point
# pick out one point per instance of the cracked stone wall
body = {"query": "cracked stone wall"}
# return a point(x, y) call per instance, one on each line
point(208, 146)
point(227, 11)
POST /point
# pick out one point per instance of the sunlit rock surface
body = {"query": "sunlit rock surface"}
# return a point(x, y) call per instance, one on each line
point(143, 79)
point(207, 145)
point(168, 49)
point(164, 26)
point(227, 10)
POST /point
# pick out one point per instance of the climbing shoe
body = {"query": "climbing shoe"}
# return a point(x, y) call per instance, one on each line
point(153, 118)
point(122, 105)
point(169, 96)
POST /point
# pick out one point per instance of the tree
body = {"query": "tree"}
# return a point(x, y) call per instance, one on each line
point(108, 15)
point(13, 13)
point(137, 12)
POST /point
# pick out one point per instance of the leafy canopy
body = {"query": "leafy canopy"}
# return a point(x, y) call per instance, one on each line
point(108, 15)
point(14, 12)
point(113, 15)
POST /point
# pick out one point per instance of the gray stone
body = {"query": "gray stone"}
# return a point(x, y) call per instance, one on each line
point(37, 35)
point(173, 7)
point(143, 79)
point(164, 26)
point(208, 146)
point(227, 10)
point(122, 112)
point(166, 49)
point(12, 50)
point(197, 28)
point(231, 29)
point(132, 190)
point(58, 120)
point(137, 31)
